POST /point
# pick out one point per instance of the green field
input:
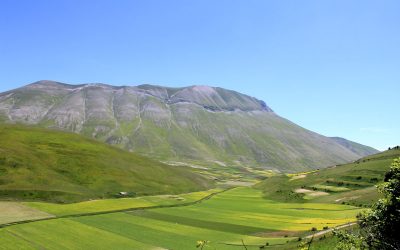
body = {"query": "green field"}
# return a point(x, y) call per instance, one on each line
point(118, 204)
point(352, 183)
point(48, 165)
point(224, 220)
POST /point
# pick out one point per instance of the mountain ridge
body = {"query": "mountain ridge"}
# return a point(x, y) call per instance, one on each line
point(169, 94)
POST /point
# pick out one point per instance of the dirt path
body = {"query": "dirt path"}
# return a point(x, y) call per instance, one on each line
point(330, 230)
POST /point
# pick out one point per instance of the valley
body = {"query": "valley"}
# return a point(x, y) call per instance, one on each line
point(221, 171)
point(269, 214)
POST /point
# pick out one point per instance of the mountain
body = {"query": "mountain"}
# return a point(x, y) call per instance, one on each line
point(42, 164)
point(355, 147)
point(197, 124)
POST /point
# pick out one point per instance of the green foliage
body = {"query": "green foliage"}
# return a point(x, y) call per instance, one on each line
point(348, 241)
point(381, 225)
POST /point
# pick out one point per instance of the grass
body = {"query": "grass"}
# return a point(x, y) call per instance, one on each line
point(68, 234)
point(170, 235)
point(245, 207)
point(224, 220)
point(352, 183)
point(10, 241)
point(47, 165)
point(118, 204)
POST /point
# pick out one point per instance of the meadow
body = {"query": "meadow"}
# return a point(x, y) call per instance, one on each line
point(224, 220)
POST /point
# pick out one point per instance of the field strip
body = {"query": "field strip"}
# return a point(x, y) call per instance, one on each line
point(117, 210)
point(26, 240)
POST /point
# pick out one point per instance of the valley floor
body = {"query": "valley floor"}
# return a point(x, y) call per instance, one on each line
point(225, 220)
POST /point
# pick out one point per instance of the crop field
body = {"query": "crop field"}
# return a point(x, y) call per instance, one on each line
point(118, 204)
point(224, 220)
point(244, 207)
point(14, 211)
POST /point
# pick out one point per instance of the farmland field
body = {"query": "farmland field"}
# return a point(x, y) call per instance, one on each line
point(118, 204)
point(224, 220)
point(14, 211)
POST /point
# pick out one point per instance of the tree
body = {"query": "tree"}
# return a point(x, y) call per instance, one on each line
point(380, 226)
point(348, 241)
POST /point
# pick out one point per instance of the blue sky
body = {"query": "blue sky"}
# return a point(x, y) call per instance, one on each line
point(330, 66)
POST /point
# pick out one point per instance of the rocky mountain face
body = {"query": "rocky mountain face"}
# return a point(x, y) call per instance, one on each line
point(200, 124)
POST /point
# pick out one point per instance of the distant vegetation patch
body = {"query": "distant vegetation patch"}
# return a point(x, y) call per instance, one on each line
point(352, 183)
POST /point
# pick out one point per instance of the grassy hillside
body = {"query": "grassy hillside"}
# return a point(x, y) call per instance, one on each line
point(39, 164)
point(355, 147)
point(352, 183)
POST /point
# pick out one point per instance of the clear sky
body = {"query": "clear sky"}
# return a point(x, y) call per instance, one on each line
point(330, 66)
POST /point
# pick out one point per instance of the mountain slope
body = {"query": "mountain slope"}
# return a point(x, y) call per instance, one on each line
point(42, 164)
point(197, 124)
point(355, 147)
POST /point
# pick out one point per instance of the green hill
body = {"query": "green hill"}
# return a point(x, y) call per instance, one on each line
point(352, 183)
point(40, 164)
